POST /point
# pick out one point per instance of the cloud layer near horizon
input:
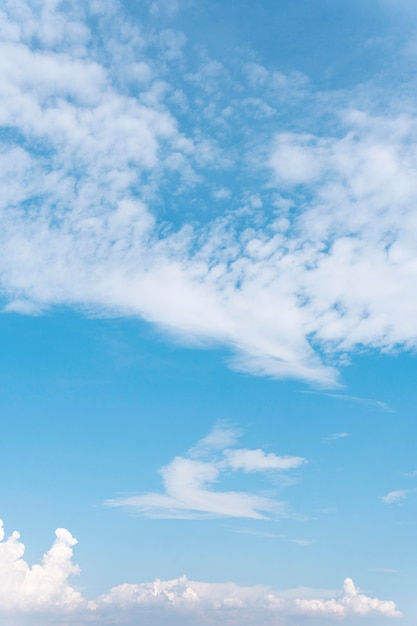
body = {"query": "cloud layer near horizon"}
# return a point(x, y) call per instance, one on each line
point(310, 258)
point(44, 589)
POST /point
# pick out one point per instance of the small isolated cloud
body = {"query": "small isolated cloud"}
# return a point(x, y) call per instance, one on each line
point(43, 590)
point(337, 436)
point(259, 461)
point(189, 482)
point(396, 496)
point(301, 542)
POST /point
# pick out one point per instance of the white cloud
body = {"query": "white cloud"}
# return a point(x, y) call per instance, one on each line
point(337, 436)
point(220, 437)
point(188, 494)
point(43, 589)
point(350, 603)
point(215, 598)
point(396, 496)
point(259, 461)
point(348, 398)
point(93, 155)
point(189, 482)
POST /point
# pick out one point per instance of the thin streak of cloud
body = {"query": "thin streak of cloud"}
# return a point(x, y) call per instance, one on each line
point(280, 537)
point(383, 406)
point(336, 436)
point(384, 570)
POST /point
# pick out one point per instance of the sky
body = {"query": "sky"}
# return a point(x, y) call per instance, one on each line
point(208, 312)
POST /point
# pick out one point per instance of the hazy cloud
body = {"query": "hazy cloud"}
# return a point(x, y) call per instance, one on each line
point(337, 436)
point(396, 496)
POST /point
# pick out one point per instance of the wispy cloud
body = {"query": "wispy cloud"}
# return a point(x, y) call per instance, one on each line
point(385, 570)
point(189, 482)
point(337, 436)
point(222, 436)
point(279, 536)
point(397, 496)
point(348, 398)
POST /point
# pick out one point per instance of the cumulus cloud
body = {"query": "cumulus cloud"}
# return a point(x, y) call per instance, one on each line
point(222, 599)
point(189, 482)
point(350, 603)
point(43, 589)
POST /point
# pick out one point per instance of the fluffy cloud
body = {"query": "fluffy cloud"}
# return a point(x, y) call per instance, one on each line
point(259, 461)
point(232, 602)
point(189, 481)
point(43, 589)
point(309, 258)
point(351, 602)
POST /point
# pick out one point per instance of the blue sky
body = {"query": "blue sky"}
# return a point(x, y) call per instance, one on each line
point(208, 330)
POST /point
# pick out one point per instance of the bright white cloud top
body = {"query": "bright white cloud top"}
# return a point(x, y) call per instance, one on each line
point(40, 587)
point(44, 588)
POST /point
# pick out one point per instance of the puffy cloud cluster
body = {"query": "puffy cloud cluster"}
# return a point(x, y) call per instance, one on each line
point(44, 589)
point(189, 481)
point(228, 600)
point(191, 596)
point(351, 602)
point(311, 256)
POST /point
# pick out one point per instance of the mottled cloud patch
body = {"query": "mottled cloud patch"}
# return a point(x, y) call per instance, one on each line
point(305, 255)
